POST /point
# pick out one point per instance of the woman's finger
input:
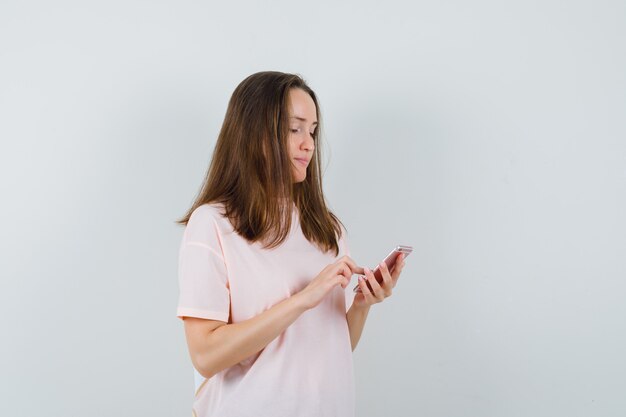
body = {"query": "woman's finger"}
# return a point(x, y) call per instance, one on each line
point(377, 290)
point(369, 298)
point(343, 281)
point(387, 280)
point(353, 266)
point(341, 268)
point(397, 268)
point(346, 272)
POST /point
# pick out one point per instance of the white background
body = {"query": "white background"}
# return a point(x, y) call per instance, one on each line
point(489, 135)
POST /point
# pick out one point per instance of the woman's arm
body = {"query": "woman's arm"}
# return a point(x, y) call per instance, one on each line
point(214, 345)
point(357, 314)
point(356, 317)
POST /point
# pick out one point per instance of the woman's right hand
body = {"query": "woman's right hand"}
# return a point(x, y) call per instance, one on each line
point(337, 273)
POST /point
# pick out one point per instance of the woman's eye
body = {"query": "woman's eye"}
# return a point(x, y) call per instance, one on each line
point(296, 130)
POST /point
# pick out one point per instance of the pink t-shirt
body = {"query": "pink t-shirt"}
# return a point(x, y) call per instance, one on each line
point(307, 370)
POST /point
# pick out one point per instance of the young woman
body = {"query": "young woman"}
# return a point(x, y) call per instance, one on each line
point(264, 266)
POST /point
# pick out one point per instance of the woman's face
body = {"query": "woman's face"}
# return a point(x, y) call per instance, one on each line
point(302, 125)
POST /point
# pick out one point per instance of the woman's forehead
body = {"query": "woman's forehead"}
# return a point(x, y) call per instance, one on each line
point(301, 106)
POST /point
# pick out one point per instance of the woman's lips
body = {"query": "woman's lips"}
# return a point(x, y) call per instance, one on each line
point(303, 161)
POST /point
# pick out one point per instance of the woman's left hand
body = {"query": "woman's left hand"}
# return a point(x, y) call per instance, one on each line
point(380, 290)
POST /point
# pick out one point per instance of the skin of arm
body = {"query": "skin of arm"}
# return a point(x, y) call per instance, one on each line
point(357, 314)
point(215, 345)
point(356, 317)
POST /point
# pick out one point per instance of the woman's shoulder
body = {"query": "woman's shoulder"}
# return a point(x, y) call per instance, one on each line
point(205, 220)
point(208, 211)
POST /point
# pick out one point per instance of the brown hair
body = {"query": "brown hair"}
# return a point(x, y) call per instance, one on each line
point(251, 172)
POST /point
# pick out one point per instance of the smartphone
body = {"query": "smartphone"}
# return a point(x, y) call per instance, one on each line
point(390, 260)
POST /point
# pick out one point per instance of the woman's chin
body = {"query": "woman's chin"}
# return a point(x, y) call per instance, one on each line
point(299, 176)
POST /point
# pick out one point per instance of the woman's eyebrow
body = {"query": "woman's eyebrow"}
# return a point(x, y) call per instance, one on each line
point(302, 118)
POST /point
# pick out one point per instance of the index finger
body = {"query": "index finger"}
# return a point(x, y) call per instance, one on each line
point(352, 265)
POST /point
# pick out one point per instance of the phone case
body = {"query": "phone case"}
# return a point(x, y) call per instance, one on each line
point(390, 260)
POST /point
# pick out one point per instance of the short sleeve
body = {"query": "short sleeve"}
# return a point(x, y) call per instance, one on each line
point(202, 274)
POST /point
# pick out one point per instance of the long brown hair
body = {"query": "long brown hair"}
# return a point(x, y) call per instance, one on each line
point(251, 172)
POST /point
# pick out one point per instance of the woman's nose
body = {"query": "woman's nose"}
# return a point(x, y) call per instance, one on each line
point(308, 144)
